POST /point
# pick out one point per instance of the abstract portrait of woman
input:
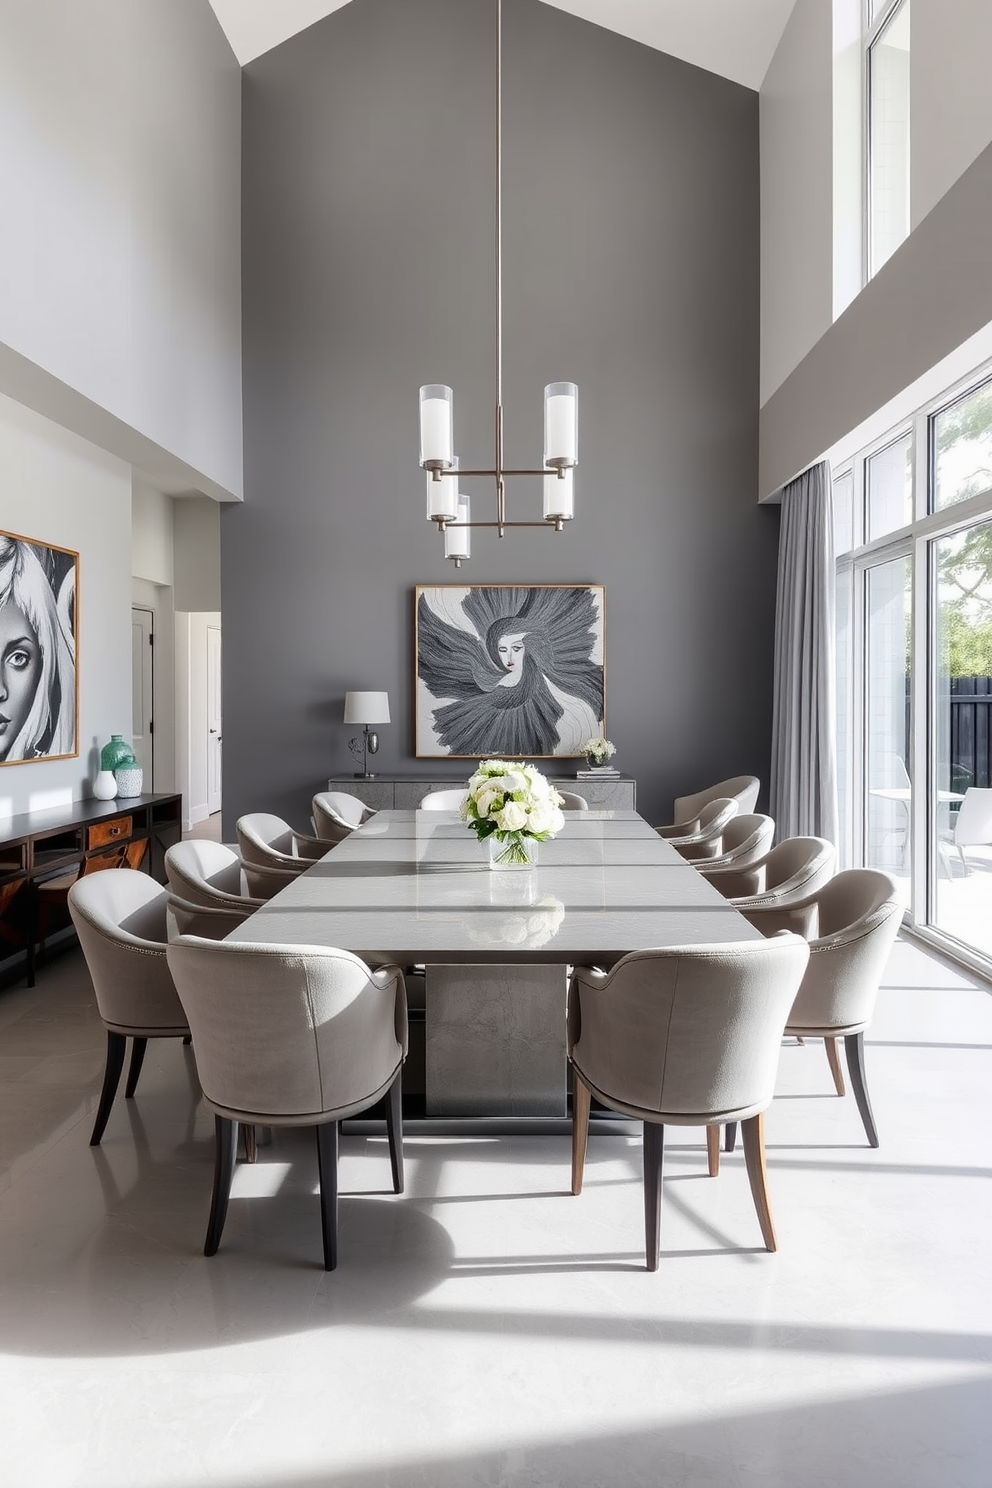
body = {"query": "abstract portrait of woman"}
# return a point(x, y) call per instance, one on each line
point(37, 651)
point(506, 670)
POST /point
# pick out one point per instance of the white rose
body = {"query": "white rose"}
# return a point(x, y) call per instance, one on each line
point(488, 798)
point(540, 816)
point(557, 820)
point(515, 781)
point(513, 817)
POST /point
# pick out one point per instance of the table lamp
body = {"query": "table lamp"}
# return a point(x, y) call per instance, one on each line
point(366, 708)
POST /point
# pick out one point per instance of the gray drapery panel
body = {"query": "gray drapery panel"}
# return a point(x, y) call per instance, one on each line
point(804, 747)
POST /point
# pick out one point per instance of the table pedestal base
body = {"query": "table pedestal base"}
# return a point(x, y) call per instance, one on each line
point(495, 1043)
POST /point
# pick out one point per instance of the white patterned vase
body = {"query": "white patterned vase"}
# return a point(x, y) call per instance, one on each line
point(129, 780)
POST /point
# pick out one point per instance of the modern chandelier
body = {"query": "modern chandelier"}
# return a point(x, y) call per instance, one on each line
point(446, 505)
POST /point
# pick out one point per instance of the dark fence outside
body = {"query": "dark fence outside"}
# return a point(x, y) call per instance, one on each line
point(971, 734)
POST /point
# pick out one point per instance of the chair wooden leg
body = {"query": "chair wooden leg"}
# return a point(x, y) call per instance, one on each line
point(138, 1046)
point(753, 1135)
point(116, 1045)
point(654, 1156)
point(854, 1048)
point(581, 1101)
point(833, 1059)
point(327, 1166)
point(251, 1141)
point(713, 1150)
point(730, 1139)
point(225, 1152)
point(394, 1129)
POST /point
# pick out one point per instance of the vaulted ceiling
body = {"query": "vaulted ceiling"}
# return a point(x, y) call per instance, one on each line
point(735, 38)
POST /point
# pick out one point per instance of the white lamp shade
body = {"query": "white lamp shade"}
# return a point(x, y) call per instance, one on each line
point(442, 495)
point(559, 500)
point(366, 707)
point(561, 438)
point(457, 536)
point(436, 437)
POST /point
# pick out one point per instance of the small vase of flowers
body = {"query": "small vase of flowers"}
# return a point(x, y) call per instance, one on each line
point(598, 752)
point(512, 807)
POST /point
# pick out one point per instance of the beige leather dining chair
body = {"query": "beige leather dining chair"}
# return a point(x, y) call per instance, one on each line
point(858, 913)
point(706, 841)
point(120, 918)
point(571, 801)
point(674, 1036)
point(209, 874)
point(776, 892)
point(292, 1036)
point(336, 814)
point(212, 922)
point(272, 843)
point(746, 839)
point(443, 800)
point(685, 812)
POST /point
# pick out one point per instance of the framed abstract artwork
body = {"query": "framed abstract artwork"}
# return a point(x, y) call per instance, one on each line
point(39, 700)
point(509, 670)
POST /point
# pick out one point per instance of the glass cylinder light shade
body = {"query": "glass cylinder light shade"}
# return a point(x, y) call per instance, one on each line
point(561, 442)
point(457, 537)
point(442, 495)
point(436, 438)
point(558, 497)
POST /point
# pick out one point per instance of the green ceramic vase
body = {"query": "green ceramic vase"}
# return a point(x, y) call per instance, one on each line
point(116, 753)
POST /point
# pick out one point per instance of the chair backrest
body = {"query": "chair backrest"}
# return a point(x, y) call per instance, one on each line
point(443, 800)
point(745, 839)
point(973, 827)
point(336, 813)
point(691, 1031)
point(267, 839)
point(740, 788)
point(714, 816)
point(263, 881)
point(120, 919)
point(212, 921)
point(203, 872)
point(289, 1033)
point(570, 801)
point(860, 912)
point(799, 866)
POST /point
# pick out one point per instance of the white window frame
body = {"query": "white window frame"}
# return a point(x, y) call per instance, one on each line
point(871, 30)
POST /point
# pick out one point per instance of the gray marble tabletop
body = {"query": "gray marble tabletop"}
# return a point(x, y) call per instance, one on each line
point(416, 886)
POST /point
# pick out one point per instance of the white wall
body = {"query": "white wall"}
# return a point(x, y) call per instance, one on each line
point(196, 528)
point(796, 193)
point(951, 116)
point(151, 534)
point(57, 488)
point(120, 179)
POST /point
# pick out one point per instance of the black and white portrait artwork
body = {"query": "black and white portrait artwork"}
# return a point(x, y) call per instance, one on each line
point(38, 697)
point(509, 671)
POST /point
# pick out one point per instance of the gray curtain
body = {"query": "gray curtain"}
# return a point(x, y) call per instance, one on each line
point(804, 735)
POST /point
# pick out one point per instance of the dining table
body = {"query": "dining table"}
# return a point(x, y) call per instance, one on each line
point(416, 888)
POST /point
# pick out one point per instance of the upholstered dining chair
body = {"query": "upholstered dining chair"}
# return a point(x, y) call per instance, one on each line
point(210, 874)
point(272, 843)
point(675, 1035)
point(263, 882)
point(211, 922)
point(775, 893)
point(686, 809)
point(337, 813)
point(706, 841)
point(571, 801)
point(859, 913)
point(746, 839)
point(443, 800)
point(120, 919)
point(292, 1036)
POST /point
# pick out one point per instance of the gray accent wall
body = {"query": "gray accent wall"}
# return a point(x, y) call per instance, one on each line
point(630, 267)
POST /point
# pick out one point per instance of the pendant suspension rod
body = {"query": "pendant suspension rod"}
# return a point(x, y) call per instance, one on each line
point(500, 493)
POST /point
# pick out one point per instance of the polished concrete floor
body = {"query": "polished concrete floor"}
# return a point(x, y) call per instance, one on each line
point(487, 1328)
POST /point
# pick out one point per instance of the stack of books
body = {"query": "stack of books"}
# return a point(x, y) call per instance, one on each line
point(596, 772)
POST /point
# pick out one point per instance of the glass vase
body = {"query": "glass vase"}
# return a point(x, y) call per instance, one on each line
point(512, 851)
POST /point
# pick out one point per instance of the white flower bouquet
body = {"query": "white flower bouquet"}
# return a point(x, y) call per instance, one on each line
point(515, 806)
point(598, 751)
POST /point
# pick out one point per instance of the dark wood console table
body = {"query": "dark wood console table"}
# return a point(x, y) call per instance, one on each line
point(40, 847)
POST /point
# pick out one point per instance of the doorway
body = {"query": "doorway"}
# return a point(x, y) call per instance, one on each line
point(143, 690)
point(215, 731)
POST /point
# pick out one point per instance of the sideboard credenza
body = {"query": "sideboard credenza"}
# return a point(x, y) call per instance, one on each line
point(405, 792)
point(40, 851)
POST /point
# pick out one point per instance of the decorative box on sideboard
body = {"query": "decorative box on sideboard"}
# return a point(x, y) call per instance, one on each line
point(405, 792)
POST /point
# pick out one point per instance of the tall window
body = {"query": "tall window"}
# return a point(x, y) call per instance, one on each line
point(887, 80)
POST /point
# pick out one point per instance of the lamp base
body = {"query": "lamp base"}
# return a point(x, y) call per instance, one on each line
point(364, 775)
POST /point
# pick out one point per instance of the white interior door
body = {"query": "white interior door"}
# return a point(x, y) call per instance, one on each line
point(142, 684)
point(214, 737)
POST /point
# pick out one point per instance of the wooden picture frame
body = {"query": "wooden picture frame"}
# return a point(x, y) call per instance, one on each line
point(39, 677)
point(511, 671)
